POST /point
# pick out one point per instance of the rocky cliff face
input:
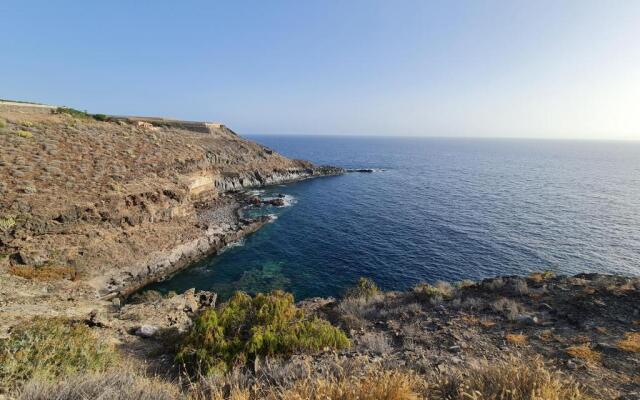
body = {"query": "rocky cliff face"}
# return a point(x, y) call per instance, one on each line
point(117, 203)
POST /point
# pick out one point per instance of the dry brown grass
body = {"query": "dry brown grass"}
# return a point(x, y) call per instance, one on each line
point(511, 380)
point(584, 352)
point(487, 323)
point(516, 339)
point(44, 273)
point(539, 277)
point(547, 335)
point(630, 343)
point(388, 385)
point(115, 385)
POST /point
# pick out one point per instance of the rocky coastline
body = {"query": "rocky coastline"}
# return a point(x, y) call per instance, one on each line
point(93, 210)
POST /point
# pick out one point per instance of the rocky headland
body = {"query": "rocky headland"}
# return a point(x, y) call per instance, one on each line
point(93, 207)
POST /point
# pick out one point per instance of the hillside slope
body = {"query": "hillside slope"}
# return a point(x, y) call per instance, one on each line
point(111, 205)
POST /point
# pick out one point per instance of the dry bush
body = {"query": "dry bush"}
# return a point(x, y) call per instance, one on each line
point(434, 294)
point(539, 277)
point(360, 308)
point(487, 323)
point(465, 284)
point(518, 287)
point(493, 284)
point(113, 385)
point(512, 380)
point(376, 342)
point(584, 352)
point(470, 303)
point(517, 339)
point(508, 308)
point(44, 273)
point(630, 343)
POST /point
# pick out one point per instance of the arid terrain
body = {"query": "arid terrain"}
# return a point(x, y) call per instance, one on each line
point(92, 209)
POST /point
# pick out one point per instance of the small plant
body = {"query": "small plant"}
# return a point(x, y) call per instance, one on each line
point(3, 123)
point(24, 134)
point(245, 328)
point(7, 223)
point(364, 288)
point(630, 343)
point(584, 352)
point(44, 273)
point(49, 348)
point(517, 339)
point(539, 277)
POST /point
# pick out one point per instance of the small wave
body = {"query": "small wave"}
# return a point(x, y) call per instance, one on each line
point(238, 243)
point(288, 200)
point(256, 192)
point(272, 217)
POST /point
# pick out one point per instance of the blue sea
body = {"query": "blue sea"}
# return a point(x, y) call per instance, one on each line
point(438, 209)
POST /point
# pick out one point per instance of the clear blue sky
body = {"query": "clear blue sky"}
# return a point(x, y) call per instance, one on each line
point(459, 68)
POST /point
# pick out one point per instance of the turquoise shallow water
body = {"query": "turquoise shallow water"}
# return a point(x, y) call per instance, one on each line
point(441, 209)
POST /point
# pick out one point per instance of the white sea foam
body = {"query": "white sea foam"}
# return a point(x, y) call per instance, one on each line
point(288, 199)
point(272, 217)
point(238, 243)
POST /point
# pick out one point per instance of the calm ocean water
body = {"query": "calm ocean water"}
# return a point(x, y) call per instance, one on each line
point(442, 209)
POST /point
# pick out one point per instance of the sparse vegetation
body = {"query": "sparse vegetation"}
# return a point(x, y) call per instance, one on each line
point(517, 339)
point(434, 293)
point(44, 272)
point(246, 327)
point(3, 123)
point(50, 348)
point(584, 352)
point(630, 343)
point(80, 114)
point(508, 308)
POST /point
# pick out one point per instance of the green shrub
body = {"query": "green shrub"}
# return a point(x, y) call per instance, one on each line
point(246, 327)
point(50, 348)
point(24, 134)
point(100, 117)
point(73, 112)
point(364, 288)
point(3, 123)
point(7, 223)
